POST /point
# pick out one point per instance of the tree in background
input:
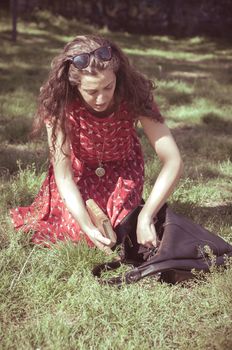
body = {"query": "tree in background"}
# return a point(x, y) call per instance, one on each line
point(14, 11)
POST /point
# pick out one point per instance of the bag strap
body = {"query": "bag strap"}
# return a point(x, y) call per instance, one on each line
point(99, 269)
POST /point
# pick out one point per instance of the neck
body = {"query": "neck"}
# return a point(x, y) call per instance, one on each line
point(111, 109)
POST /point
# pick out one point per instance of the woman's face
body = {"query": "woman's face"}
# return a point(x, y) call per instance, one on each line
point(98, 90)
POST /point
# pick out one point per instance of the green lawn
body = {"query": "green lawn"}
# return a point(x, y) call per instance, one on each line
point(48, 299)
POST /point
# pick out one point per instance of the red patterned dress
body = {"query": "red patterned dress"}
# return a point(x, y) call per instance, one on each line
point(111, 140)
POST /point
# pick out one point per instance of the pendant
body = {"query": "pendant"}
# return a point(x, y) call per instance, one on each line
point(100, 171)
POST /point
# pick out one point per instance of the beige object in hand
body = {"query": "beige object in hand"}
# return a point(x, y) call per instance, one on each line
point(101, 221)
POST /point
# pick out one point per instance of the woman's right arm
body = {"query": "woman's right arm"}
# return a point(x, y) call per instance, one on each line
point(69, 191)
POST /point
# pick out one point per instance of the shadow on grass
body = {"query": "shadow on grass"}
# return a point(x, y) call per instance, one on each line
point(210, 140)
point(199, 45)
point(28, 65)
point(12, 155)
point(174, 97)
point(216, 125)
point(160, 67)
point(220, 215)
point(14, 131)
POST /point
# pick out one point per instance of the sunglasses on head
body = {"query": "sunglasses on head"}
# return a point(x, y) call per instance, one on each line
point(103, 53)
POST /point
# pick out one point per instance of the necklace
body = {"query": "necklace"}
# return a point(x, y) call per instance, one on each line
point(100, 171)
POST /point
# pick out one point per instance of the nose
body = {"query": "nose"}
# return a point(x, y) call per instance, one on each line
point(101, 99)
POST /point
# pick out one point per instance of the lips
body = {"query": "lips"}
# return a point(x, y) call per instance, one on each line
point(102, 106)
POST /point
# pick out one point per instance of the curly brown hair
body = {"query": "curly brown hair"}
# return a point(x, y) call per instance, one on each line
point(61, 87)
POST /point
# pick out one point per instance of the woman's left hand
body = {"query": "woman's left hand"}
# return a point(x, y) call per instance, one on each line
point(146, 232)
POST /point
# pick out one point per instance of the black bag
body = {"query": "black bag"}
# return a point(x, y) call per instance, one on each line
point(183, 246)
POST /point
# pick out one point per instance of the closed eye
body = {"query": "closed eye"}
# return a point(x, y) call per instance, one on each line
point(91, 92)
point(108, 87)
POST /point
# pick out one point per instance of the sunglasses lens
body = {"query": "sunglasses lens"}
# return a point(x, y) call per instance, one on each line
point(81, 61)
point(103, 53)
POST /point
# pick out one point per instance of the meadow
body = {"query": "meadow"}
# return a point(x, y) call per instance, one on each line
point(49, 299)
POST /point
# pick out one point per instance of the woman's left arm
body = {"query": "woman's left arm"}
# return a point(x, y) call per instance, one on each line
point(164, 145)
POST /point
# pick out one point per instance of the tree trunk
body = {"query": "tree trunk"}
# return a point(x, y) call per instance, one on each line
point(14, 11)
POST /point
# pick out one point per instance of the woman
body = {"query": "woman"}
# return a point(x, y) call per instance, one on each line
point(90, 104)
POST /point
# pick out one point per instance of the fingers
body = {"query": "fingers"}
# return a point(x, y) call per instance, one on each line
point(102, 247)
point(148, 236)
point(154, 241)
point(98, 236)
point(101, 242)
point(107, 250)
point(104, 240)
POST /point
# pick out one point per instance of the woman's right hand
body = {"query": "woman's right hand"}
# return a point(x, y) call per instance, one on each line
point(99, 240)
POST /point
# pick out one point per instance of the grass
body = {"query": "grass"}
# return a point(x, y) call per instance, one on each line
point(49, 300)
